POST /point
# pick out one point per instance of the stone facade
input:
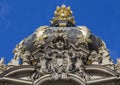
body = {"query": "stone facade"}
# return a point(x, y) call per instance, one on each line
point(61, 54)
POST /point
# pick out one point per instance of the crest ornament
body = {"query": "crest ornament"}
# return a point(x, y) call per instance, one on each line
point(63, 13)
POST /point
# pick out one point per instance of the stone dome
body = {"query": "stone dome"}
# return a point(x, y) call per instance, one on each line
point(62, 37)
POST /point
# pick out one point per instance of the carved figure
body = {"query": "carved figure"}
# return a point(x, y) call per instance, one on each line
point(2, 62)
point(94, 58)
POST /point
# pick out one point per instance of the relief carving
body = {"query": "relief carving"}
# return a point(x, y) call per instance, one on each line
point(61, 58)
point(59, 53)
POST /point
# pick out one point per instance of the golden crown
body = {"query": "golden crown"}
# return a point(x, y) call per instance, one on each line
point(63, 13)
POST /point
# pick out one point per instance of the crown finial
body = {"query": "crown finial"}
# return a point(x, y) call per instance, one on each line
point(63, 13)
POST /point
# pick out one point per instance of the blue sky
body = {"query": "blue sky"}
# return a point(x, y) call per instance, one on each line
point(19, 19)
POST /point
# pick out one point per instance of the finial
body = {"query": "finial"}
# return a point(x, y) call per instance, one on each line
point(63, 13)
point(63, 6)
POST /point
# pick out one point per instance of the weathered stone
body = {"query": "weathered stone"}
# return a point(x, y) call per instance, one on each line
point(61, 53)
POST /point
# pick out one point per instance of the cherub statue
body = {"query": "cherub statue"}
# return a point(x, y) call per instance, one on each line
point(18, 50)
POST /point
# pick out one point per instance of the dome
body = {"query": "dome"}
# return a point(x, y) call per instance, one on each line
point(62, 37)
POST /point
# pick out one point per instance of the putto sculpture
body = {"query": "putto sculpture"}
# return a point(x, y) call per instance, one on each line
point(61, 53)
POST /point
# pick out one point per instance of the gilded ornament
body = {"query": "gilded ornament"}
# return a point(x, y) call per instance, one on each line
point(63, 13)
